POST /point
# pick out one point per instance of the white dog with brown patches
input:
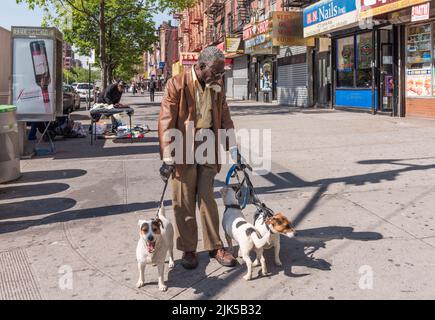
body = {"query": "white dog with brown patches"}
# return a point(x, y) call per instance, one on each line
point(274, 226)
point(155, 244)
point(236, 227)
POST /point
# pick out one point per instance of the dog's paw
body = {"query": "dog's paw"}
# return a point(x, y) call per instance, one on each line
point(163, 288)
point(171, 264)
point(140, 284)
point(247, 277)
point(256, 263)
point(265, 273)
point(278, 263)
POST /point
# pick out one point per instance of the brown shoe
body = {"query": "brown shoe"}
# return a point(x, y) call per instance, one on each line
point(223, 257)
point(190, 260)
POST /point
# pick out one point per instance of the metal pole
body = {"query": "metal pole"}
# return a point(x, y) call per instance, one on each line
point(89, 88)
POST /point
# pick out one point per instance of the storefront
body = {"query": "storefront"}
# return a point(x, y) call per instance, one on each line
point(236, 68)
point(417, 25)
point(363, 70)
point(333, 71)
point(270, 42)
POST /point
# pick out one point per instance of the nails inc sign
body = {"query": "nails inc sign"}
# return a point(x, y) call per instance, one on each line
point(328, 15)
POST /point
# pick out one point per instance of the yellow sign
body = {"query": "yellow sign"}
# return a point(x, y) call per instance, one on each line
point(232, 45)
point(371, 9)
point(287, 29)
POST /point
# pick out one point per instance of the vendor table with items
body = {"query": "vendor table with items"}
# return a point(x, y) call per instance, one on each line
point(108, 112)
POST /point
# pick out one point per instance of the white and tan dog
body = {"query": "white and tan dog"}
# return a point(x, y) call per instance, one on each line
point(274, 226)
point(236, 227)
point(155, 244)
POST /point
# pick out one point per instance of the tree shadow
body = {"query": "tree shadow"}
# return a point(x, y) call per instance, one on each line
point(29, 208)
point(60, 207)
point(42, 176)
point(45, 189)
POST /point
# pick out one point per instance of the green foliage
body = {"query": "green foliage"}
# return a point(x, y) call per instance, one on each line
point(119, 31)
point(80, 75)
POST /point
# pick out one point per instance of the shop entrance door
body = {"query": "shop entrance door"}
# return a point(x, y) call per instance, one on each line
point(322, 79)
point(386, 77)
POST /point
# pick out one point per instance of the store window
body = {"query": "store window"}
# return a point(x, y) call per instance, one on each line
point(419, 63)
point(266, 75)
point(345, 62)
point(364, 60)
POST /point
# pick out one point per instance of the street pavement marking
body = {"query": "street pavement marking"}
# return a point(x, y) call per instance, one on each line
point(17, 281)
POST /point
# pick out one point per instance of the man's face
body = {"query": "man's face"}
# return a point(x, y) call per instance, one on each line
point(213, 73)
point(120, 88)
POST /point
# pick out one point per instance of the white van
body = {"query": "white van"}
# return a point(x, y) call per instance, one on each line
point(85, 90)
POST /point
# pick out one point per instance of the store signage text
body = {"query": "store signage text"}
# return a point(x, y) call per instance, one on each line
point(254, 29)
point(232, 45)
point(371, 8)
point(420, 12)
point(287, 29)
point(255, 41)
point(328, 15)
point(189, 58)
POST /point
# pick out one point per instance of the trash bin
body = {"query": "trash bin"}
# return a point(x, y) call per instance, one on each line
point(9, 145)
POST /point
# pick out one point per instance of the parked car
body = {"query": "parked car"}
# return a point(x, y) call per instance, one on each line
point(83, 90)
point(69, 99)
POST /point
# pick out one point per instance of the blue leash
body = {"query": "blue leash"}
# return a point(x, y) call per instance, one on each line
point(232, 173)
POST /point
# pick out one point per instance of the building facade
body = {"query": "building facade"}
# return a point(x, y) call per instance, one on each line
point(258, 37)
point(381, 54)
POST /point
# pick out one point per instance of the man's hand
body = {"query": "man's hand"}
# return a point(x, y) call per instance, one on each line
point(166, 171)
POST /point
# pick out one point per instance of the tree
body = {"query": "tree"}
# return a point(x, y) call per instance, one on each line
point(118, 30)
point(79, 75)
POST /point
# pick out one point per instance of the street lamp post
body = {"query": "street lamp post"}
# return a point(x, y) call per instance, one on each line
point(89, 86)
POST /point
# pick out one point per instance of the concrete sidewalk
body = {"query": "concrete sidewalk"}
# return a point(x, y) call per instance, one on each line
point(360, 188)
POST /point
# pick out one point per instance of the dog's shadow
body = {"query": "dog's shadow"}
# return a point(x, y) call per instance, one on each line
point(300, 250)
point(295, 252)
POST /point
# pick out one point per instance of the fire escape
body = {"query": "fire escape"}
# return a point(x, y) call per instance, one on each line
point(243, 15)
point(215, 11)
point(196, 20)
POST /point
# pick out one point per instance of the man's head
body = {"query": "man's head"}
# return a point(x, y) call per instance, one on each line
point(121, 86)
point(211, 65)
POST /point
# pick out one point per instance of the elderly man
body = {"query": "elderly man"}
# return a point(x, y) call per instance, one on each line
point(197, 97)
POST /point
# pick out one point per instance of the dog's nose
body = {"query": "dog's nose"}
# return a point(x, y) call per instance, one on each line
point(150, 238)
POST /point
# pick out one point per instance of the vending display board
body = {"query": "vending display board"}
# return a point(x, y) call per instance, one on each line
point(37, 73)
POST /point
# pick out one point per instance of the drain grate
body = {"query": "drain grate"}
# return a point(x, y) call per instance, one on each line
point(16, 279)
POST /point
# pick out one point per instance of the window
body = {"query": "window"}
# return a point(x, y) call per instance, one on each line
point(364, 60)
point(230, 24)
point(345, 62)
point(419, 62)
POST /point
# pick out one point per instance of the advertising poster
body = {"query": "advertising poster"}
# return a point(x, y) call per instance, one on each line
point(419, 83)
point(32, 84)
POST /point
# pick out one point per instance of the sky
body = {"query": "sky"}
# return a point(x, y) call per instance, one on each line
point(14, 14)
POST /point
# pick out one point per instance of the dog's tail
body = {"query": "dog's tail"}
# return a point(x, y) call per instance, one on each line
point(258, 240)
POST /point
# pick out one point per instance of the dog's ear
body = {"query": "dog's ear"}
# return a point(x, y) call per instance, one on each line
point(159, 222)
point(270, 221)
point(140, 223)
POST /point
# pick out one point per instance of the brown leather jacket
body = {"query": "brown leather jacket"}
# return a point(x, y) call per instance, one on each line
point(179, 107)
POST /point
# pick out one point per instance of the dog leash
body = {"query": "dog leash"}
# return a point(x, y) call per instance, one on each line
point(250, 194)
point(162, 199)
